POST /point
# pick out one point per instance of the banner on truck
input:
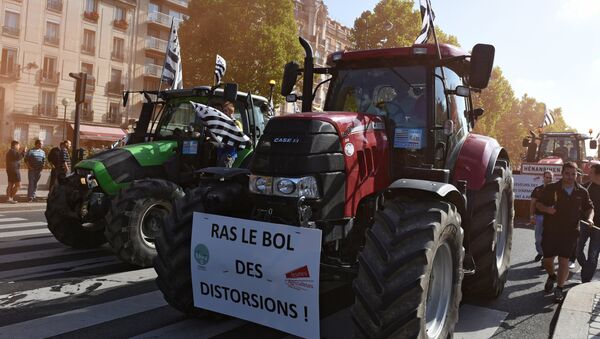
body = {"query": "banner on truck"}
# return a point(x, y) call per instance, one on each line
point(535, 168)
point(524, 185)
point(257, 271)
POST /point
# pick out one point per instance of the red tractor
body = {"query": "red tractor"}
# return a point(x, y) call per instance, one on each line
point(408, 200)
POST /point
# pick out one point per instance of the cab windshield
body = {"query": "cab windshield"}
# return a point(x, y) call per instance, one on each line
point(567, 148)
point(396, 92)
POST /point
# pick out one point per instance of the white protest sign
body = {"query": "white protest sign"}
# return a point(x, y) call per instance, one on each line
point(258, 271)
point(524, 185)
point(535, 168)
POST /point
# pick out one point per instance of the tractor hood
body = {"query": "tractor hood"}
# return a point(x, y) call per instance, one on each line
point(345, 123)
point(115, 168)
point(552, 160)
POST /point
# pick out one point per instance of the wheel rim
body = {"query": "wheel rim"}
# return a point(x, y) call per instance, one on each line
point(438, 298)
point(151, 222)
point(501, 231)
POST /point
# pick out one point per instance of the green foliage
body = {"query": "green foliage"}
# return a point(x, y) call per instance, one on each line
point(392, 23)
point(256, 38)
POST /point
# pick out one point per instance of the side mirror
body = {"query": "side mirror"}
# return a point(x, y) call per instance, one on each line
point(230, 92)
point(290, 76)
point(482, 62)
point(291, 98)
point(593, 144)
point(461, 91)
point(525, 142)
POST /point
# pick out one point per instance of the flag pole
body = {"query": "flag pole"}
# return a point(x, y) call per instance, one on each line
point(437, 45)
point(166, 55)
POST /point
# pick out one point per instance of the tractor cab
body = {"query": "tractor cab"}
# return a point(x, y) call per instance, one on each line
point(558, 147)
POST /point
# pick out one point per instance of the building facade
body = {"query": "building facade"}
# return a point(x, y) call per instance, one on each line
point(324, 34)
point(120, 43)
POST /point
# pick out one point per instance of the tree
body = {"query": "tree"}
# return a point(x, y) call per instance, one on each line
point(256, 38)
point(392, 23)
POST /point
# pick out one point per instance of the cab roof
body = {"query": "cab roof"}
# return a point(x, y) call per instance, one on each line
point(202, 91)
point(419, 50)
point(565, 135)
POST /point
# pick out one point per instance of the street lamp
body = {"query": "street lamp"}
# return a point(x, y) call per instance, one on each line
point(65, 102)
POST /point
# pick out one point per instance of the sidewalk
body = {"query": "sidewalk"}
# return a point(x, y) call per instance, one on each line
point(579, 316)
point(41, 195)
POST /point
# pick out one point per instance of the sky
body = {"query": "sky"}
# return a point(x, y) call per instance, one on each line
point(547, 49)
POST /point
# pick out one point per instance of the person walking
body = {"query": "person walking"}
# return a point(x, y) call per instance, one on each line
point(54, 158)
point(564, 203)
point(589, 264)
point(13, 170)
point(537, 217)
point(65, 158)
point(35, 160)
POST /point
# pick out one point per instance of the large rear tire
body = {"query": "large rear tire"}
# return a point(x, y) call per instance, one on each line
point(172, 264)
point(136, 217)
point(410, 272)
point(491, 234)
point(64, 220)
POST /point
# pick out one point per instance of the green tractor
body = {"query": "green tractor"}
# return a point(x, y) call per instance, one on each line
point(121, 195)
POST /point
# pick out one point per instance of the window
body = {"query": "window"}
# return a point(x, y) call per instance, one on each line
point(152, 8)
point(120, 14)
point(9, 61)
point(11, 23)
point(49, 69)
point(52, 31)
point(441, 106)
point(89, 41)
point(45, 134)
point(115, 75)
point(457, 104)
point(21, 133)
point(114, 114)
point(91, 6)
point(118, 49)
point(48, 100)
point(54, 5)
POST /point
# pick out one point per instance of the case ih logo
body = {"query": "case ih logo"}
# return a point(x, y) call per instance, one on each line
point(286, 140)
point(299, 279)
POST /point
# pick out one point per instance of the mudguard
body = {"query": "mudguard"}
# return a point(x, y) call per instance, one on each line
point(476, 160)
point(444, 191)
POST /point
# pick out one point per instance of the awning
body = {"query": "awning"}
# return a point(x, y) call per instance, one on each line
point(99, 133)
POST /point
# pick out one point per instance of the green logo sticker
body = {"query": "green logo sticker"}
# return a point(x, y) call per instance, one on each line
point(201, 254)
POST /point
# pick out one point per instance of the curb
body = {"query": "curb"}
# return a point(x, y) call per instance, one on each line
point(579, 315)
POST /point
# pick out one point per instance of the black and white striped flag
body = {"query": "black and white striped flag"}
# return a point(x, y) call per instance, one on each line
point(220, 68)
point(427, 17)
point(548, 118)
point(172, 74)
point(222, 127)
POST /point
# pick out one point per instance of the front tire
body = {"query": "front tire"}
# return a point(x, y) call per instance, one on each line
point(137, 215)
point(65, 222)
point(491, 234)
point(410, 272)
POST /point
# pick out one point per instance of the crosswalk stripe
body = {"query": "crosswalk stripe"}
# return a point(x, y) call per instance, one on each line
point(24, 233)
point(68, 266)
point(46, 253)
point(11, 244)
point(23, 224)
point(193, 328)
point(76, 289)
point(11, 219)
point(83, 317)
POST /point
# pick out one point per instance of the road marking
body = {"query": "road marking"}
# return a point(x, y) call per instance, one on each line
point(23, 298)
point(478, 322)
point(68, 266)
point(193, 328)
point(83, 317)
point(46, 253)
point(13, 234)
point(23, 224)
point(6, 244)
point(11, 219)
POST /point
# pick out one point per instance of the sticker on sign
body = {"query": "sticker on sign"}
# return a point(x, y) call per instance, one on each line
point(257, 271)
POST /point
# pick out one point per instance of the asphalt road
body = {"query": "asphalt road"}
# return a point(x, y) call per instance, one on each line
point(48, 290)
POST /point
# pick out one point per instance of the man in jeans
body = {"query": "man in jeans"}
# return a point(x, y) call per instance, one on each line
point(589, 264)
point(564, 203)
point(537, 217)
point(35, 159)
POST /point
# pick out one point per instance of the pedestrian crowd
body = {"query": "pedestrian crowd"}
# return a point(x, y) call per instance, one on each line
point(565, 214)
point(35, 159)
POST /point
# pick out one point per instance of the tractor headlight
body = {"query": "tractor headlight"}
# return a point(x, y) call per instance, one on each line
point(297, 187)
point(286, 186)
point(260, 184)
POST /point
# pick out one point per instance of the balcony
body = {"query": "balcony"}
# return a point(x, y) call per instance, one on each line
point(152, 70)
point(88, 49)
point(54, 5)
point(48, 78)
point(91, 16)
point(42, 110)
point(11, 31)
point(121, 24)
point(112, 118)
point(51, 40)
point(156, 44)
point(182, 3)
point(10, 72)
point(114, 88)
point(87, 114)
point(160, 18)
